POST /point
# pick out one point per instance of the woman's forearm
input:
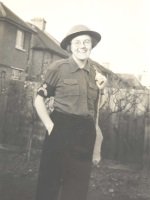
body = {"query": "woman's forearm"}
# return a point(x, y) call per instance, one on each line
point(43, 113)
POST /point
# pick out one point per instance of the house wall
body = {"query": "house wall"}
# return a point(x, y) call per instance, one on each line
point(56, 57)
point(6, 70)
point(9, 55)
point(1, 34)
point(40, 61)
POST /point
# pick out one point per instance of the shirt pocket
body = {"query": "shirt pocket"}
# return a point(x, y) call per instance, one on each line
point(70, 87)
point(92, 91)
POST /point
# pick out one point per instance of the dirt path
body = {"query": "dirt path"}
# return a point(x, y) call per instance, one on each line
point(111, 181)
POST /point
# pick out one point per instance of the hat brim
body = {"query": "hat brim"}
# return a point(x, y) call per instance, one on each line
point(96, 37)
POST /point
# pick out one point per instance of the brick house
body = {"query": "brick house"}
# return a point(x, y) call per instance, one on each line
point(25, 47)
point(25, 51)
point(15, 37)
point(44, 50)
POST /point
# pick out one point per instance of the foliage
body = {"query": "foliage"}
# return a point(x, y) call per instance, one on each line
point(122, 120)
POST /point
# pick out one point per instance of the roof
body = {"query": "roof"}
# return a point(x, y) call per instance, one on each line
point(125, 80)
point(103, 69)
point(131, 80)
point(45, 41)
point(7, 15)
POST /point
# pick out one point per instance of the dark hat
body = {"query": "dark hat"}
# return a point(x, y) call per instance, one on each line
point(80, 30)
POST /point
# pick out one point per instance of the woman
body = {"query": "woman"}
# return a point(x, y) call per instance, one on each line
point(68, 147)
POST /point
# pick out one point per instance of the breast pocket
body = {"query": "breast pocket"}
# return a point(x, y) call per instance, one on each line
point(92, 91)
point(70, 87)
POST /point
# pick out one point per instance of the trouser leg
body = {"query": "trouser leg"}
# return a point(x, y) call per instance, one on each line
point(49, 174)
point(67, 156)
point(78, 161)
point(76, 180)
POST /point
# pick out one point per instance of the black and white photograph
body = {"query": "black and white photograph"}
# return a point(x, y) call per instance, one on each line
point(75, 100)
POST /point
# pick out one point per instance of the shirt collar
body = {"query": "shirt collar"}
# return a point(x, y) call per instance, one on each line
point(75, 67)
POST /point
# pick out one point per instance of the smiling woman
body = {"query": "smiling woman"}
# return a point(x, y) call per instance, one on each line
point(69, 146)
point(81, 47)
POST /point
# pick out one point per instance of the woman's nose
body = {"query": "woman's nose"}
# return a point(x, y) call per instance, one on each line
point(82, 45)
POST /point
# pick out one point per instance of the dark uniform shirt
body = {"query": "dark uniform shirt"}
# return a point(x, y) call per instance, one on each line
point(74, 89)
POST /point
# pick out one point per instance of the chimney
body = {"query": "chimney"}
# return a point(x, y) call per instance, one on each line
point(39, 22)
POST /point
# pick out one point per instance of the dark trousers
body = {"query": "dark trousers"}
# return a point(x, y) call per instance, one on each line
point(66, 159)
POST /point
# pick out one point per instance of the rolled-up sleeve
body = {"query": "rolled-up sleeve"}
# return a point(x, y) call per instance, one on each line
point(47, 88)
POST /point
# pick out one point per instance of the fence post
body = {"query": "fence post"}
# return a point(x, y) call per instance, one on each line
point(146, 152)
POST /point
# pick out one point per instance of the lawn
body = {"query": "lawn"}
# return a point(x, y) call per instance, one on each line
point(111, 180)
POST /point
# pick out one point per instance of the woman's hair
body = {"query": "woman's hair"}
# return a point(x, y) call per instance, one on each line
point(69, 48)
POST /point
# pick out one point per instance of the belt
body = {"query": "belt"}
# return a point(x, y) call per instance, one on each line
point(86, 117)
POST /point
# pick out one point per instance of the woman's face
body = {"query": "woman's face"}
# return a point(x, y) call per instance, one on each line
point(81, 47)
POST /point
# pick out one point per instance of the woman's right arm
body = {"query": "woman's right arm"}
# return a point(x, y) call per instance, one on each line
point(43, 113)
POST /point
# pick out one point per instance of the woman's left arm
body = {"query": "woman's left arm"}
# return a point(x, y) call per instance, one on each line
point(101, 82)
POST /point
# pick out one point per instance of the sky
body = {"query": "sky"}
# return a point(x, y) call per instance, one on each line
point(123, 24)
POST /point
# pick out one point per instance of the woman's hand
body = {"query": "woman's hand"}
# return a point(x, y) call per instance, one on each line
point(49, 126)
point(100, 80)
point(96, 158)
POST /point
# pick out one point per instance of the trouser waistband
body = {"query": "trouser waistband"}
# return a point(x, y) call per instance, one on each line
point(71, 116)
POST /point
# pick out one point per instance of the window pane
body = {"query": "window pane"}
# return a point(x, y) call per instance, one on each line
point(20, 39)
point(16, 74)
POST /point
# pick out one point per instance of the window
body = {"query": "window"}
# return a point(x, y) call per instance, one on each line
point(20, 40)
point(16, 74)
point(2, 82)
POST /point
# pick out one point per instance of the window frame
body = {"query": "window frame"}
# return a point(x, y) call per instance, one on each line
point(20, 39)
point(16, 73)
